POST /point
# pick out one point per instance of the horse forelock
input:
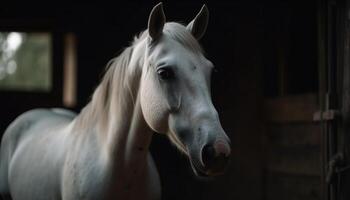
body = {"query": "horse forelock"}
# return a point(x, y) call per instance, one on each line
point(179, 33)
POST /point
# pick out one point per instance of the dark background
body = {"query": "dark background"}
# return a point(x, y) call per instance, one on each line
point(248, 42)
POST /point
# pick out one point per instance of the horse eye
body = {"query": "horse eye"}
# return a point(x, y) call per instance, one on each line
point(166, 73)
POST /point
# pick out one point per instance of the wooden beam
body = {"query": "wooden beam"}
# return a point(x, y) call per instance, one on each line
point(298, 108)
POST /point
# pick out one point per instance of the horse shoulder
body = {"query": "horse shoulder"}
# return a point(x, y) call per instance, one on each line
point(16, 134)
point(9, 142)
point(17, 129)
point(64, 112)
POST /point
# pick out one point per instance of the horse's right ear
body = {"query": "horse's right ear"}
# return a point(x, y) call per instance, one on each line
point(199, 24)
point(156, 21)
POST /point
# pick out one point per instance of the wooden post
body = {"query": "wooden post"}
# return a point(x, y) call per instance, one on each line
point(344, 56)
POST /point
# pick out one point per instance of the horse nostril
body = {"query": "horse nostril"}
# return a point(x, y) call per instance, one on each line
point(222, 147)
point(208, 155)
point(214, 160)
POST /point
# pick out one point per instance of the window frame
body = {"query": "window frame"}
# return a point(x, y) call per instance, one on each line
point(52, 97)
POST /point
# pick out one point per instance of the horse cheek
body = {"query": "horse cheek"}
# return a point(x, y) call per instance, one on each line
point(154, 108)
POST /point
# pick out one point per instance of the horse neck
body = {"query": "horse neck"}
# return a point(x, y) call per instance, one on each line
point(122, 131)
point(129, 136)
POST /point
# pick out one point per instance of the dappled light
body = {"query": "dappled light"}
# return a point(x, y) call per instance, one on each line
point(25, 61)
point(9, 43)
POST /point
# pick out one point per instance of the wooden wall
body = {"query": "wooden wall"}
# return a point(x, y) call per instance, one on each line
point(292, 146)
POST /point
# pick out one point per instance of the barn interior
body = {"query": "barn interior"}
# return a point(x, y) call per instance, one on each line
point(274, 64)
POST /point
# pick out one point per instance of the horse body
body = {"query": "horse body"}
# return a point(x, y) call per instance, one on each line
point(47, 157)
point(36, 148)
point(102, 153)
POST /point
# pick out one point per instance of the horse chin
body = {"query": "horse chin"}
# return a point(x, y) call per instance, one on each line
point(198, 172)
point(206, 174)
point(201, 172)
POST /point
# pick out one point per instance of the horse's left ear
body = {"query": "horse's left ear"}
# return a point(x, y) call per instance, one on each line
point(199, 24)
point(156, 21)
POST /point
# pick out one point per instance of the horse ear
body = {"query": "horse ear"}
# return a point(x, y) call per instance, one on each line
point(156, 21)
point(199, 24)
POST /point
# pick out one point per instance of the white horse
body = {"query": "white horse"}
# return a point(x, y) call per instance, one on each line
point(161, 83)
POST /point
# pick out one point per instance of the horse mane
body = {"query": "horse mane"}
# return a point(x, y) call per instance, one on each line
point(114, 76)
point(116, 81)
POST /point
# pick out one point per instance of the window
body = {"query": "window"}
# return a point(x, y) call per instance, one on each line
point(25, 61)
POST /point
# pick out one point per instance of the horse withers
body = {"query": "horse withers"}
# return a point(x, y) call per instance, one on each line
point(161, 83)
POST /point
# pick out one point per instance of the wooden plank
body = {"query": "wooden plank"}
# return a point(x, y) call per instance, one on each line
point(290, 187)
point(293, 148)
point(344, 135)
point(294, 161)
point(294, 134)
point(296, 108)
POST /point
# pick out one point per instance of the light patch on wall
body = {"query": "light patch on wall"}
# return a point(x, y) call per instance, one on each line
point(25, 61)
point(70, 70)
